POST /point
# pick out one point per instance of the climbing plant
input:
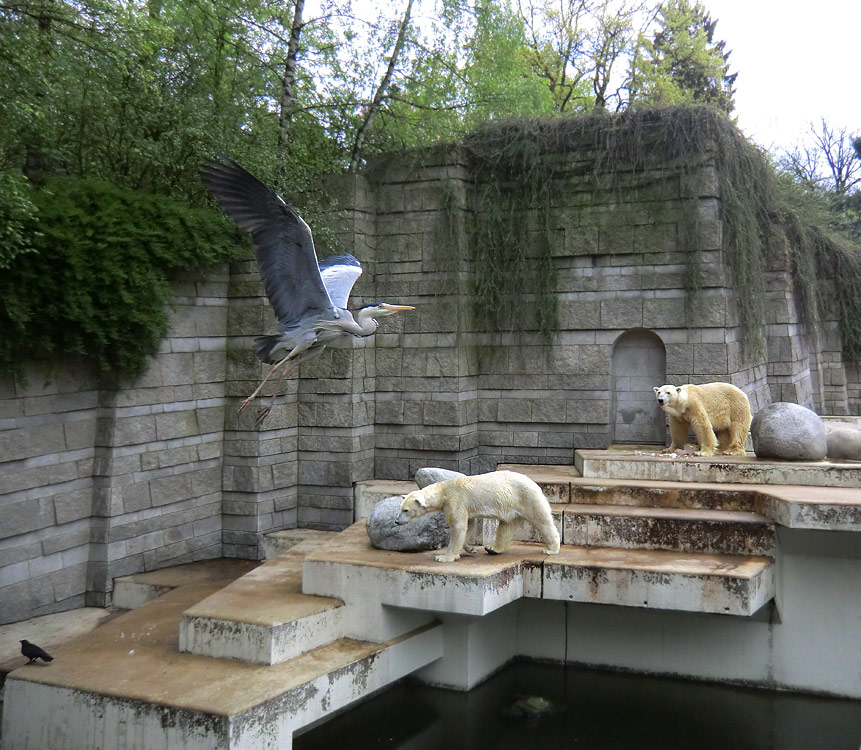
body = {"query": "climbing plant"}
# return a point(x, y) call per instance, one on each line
point(518, 165)
point(96, 278)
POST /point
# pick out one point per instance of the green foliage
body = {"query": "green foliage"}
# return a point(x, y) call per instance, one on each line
point(17, 212)
point(682, 63)
point(97, 280)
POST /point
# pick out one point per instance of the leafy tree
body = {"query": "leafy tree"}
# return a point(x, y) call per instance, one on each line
point(682, 62)
point(576, 47)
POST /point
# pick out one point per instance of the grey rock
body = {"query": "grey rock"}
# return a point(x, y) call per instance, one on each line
point(386, 532)
point(788, 432)
point(428, 476)
point(843, 440)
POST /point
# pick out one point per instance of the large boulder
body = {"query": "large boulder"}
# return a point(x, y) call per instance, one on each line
point(788, 432)
point(427, 532)
point(387, 532)
point(843, 440)
point(428, 476)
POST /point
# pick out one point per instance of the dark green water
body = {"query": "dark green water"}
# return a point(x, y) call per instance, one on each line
point(595, 710)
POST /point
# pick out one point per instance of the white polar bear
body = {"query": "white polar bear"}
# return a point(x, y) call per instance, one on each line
point(504, 495)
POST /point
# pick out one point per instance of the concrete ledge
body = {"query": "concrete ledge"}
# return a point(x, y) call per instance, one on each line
point(126, 683)
point(479, 584)
point(657, 579)
point(798, 507)
point(748, 469)
point(263, 617)
point(685, 530)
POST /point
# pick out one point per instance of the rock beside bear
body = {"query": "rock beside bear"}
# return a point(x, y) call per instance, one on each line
point(788, 432)
point(843, 440)
point(718, 413)
point(386, 531)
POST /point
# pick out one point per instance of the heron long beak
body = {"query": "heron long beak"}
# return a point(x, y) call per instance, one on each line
point(396, 308)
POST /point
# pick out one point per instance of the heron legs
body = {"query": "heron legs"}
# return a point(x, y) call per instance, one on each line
point(264, 410)
point(277, 366)
point(298, 355)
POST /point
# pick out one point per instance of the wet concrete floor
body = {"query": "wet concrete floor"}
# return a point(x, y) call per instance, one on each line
point(549, 707)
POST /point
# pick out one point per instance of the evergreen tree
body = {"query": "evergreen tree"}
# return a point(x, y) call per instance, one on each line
point(682, 62)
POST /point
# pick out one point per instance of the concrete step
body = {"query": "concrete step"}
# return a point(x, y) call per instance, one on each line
point(679, 529)
point(276, 542)
point(350, 568)
point(796, 507)
point(127, 683)
point(748, 469)
point(263, 617)
point(658, 579)
point(135, 590)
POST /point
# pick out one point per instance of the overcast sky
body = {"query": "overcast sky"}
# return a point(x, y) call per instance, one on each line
point(796, 63)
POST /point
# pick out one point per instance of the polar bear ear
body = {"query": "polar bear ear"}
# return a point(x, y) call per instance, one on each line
point(655, 389)
point(421, 501)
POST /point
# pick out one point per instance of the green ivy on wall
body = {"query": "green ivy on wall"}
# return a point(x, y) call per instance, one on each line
point(517, 165)
point(95, 279)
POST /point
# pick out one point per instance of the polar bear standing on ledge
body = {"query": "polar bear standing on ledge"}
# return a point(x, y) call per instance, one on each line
point(718, 413)
point(504, 495)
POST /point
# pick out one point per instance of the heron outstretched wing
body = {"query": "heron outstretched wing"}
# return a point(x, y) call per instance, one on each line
point(340, 273)
point(282, 241)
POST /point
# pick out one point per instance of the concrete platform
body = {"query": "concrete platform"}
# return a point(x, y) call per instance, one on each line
point(748, 469)
point(263, 617)
point(796, 507)
point(128, 685)
point(660, 579)
point(351, 569)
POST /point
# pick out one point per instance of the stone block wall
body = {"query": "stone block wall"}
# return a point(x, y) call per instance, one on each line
point(101, 479)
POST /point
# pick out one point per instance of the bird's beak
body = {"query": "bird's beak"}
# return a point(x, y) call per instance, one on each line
point(396, 308)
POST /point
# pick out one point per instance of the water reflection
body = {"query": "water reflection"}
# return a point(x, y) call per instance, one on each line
point(590, 709)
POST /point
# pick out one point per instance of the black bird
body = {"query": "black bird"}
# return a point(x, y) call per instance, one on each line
point(33, 652)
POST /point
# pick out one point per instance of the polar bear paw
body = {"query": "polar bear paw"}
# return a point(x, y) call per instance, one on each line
point(446, 557)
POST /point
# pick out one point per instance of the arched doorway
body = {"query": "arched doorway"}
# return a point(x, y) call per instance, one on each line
point(639, 364)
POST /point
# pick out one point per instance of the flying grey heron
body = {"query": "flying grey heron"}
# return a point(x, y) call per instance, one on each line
point(309, 298)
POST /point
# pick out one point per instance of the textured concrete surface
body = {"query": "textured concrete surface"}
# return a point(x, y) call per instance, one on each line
point(263, 617)
point(351, 569)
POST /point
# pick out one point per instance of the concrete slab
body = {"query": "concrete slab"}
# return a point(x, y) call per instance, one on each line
point(657, 579)
point(801, 507)
point(263, 617)
point(349, 568)
point(277, 542)
point(747, 469)
point(127, 683)
point(683, 530)
point(135, 590)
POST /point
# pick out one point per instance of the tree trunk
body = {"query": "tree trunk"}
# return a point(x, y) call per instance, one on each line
point(356, 155)
point(288, 84)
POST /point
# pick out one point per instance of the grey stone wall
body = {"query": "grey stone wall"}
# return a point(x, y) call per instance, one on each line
point(100, 479)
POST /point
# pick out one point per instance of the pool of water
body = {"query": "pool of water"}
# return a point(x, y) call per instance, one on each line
point(590, 709)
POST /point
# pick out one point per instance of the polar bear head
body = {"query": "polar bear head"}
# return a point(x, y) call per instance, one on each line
point(413, 506)
point(672, 399)
point(666, 395)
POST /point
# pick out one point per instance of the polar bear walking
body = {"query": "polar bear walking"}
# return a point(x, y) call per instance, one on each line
point(504, 495)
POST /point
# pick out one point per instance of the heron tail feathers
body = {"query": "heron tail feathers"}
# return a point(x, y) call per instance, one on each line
point(263, 346)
